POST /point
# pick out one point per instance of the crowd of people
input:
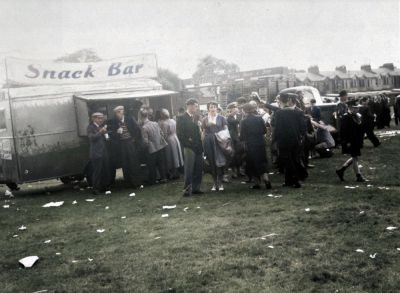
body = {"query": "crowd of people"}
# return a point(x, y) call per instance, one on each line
point(248, 139)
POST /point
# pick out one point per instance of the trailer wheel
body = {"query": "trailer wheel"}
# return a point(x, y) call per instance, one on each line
point(71, 179)
point(12, 186)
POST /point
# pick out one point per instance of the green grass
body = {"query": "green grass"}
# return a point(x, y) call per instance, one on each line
point(217, 247)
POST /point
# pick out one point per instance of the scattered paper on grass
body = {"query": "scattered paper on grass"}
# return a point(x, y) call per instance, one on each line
point(360, 250)
point(307, 210)
point(372, 168)
point(47, 241)
point(270, 235)
point(141, 186)
point(90, 259)
point(74, 261)
point(22, 228)
point(373, 255)
point(158, 237)
point(108, 192)
point(383, 188)
point(123, 217)
point(270, 195)
point(350, 187)
point(391, 228)
point(6, 206)
point(40, 291)
point(132, 194)
point(169, 207)
point(185, 209)
point(58, 253)
point(107, 207)
point(270, 246)
point(28, 261)
point(74, 202)
point(100, 230)
point(53, 204)
point(398, 248)
point(369, 185)
point(15, 236)
point(89, 199)
point(197, 207)
point(164, 216)
point(8, 193)
point(362, 212)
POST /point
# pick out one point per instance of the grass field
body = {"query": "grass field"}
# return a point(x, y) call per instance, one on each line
point(216, 244)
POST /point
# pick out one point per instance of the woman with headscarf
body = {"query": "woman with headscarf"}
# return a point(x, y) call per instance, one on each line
point(211, 125)
point(252, 131)
point(173, 150)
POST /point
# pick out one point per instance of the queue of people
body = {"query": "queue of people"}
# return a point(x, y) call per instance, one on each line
point(227, 144)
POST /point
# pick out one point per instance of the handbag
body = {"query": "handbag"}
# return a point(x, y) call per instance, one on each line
point(224, 141)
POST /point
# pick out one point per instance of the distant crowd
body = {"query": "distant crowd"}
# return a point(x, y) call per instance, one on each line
point(247, 139)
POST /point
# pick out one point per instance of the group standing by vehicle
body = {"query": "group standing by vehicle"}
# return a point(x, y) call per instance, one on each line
point(230, 144)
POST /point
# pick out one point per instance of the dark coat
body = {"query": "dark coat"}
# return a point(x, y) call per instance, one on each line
point(133, 128)
point(367, 118)
point(252, 131)
point(315, 113)
point(352, 134)
point(98, 147)
point(290, 128)
point(188, 132)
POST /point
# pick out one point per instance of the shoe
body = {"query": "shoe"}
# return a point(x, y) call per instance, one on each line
point(310, 166)
point(360, 178)
point(340, 173)
point(221, 188)
point(213, 188)
point(198, 192)
point(268, 185)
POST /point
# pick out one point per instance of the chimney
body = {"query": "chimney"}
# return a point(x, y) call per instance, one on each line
point(341, 68)
point(313, 69)
point(389, 66)
point(366, 67)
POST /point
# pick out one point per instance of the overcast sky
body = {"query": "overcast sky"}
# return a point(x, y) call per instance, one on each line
point(253, 34)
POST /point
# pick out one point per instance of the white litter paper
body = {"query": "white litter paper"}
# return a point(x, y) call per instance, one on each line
point(132, 194)
point(158, 237)
point(22, 228)
point(350, 187)
point(15, 236)
point(360, 250)
point(391, 228)
point(398, 248)
point(373, 255)
point(8, 193)
point(29, 261)
point(53, 204)
point(74, 202)
point(169, 207)
point(89, 199)
point(74, 261)
point(90, 259)
point(307, 210)
point(100, 230)
point(164, 216)
point(106, 208)
point(362, 212)
point(58, 253)
point(141, 186)
point(270, 246)
point(123, 217)
point(108, 192)
point(185, 209)
point(47, 241)
point(6, 206)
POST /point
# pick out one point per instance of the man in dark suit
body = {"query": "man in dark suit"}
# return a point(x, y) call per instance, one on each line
point(126, 134)
point(368, 121)
point(188, 132)
point(289, 133)
point(98, 155)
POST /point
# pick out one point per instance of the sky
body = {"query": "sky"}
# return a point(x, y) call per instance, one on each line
point(253, 34)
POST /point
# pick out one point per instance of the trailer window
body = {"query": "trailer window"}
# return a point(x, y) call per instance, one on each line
point(3, 119)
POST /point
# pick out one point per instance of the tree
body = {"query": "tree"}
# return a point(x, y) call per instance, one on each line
point(169, 80)
point(209, 66)
point(80, 56)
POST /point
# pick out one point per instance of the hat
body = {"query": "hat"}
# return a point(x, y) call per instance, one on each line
point(119, 108)
point(232, 105)
point(249, 108)
point(97, 114)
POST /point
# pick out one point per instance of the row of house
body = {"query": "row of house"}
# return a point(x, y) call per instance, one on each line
point(269, 81)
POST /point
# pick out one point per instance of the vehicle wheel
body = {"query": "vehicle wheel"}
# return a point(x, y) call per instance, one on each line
point(66, 180)
point(12, 186)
